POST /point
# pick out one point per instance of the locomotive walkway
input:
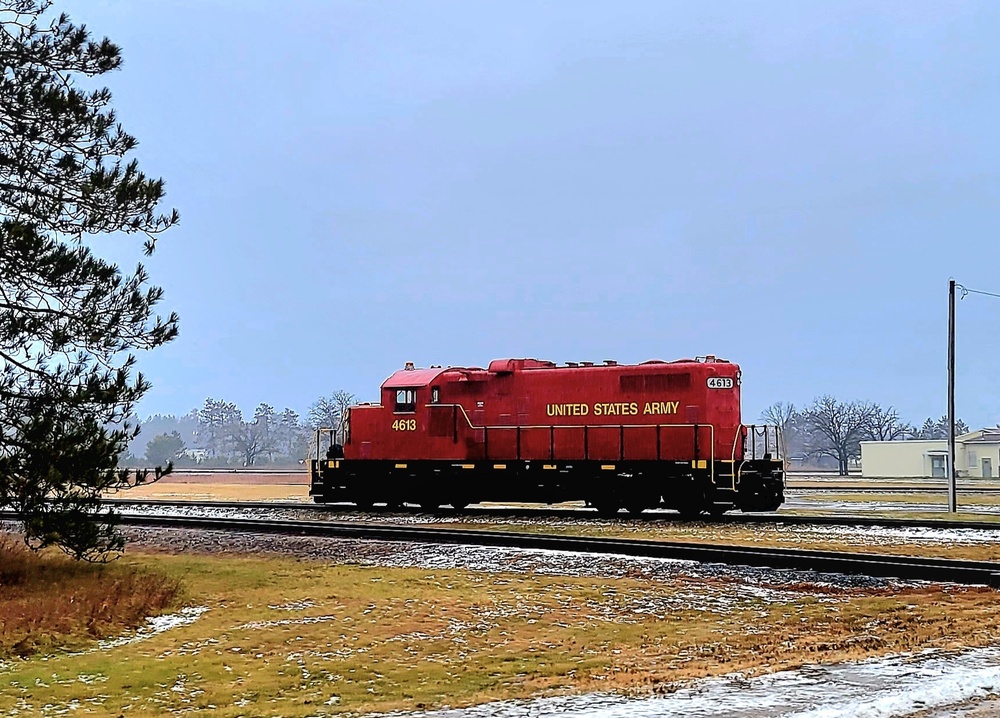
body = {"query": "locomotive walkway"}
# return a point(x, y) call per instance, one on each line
point(844, 562)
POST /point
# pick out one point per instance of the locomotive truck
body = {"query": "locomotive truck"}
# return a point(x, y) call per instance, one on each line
point(640, 436)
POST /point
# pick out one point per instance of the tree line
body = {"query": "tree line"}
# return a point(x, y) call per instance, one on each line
point(830, 429)
point(219, 434)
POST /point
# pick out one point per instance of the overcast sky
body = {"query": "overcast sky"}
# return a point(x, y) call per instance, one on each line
point(785, 184)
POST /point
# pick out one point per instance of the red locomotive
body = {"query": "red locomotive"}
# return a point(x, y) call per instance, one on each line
point(656, 434)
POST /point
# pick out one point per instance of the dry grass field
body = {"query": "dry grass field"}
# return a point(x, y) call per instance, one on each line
point(216, 491)
point(281, 636)
point(50, 602)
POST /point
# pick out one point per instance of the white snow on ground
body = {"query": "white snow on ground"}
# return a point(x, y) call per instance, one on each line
point(928, 536)
point(155, 625)
point(890, 687)
point(551, 562)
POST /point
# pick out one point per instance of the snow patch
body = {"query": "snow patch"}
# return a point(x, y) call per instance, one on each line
point(154, 626)
point(889, 687)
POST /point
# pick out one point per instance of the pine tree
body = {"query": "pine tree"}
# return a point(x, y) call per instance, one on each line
point(69, 320)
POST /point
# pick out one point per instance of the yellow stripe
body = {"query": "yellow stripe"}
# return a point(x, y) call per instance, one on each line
point(400, 466)
point(331, 464)
point(467, 466)
point(499, 466)
point(548, 466)
point(608, 467)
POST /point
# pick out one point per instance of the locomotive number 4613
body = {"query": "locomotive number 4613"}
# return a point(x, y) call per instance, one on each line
point(720, 382)
point(404, 425)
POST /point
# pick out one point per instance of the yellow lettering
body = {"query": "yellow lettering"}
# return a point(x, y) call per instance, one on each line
point(633, 408)
point(674, 405)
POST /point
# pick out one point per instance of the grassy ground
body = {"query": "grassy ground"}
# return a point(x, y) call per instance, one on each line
point(286, 637)
point(50, 602)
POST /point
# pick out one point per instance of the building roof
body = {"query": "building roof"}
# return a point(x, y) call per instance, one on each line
point(983, 436)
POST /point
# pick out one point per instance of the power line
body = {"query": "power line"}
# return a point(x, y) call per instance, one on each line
point(966, 291)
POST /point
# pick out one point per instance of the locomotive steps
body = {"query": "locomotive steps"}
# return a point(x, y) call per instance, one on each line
point(844, 562)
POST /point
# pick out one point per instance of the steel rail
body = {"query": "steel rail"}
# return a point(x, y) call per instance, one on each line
point(898, 489)
point(844, 562)
point(530, 513)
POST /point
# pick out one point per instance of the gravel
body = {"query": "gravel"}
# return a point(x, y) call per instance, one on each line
point(512, 560)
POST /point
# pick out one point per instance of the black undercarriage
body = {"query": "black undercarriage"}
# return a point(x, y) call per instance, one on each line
point(689, 487)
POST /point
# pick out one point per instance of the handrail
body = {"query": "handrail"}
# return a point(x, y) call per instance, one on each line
point(779, 444)
point(585, 427)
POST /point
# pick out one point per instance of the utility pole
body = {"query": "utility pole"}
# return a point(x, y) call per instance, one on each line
point(952, 498)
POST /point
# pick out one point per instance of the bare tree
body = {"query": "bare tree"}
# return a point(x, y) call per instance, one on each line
point(836, 428)
point(778, 414)
point(329, 412)
point(252, 439)
point(885, 424)
point(247, 438)
point(786, 418)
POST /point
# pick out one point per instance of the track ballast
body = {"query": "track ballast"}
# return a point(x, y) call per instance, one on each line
point(844, 562)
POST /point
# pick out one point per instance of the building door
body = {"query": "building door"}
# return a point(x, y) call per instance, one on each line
point(987, 468)
point(937, 466)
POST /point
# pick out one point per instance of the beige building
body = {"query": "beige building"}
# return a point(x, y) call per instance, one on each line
point(977, 455)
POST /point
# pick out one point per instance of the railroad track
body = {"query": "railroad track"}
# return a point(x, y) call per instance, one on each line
point(897, 489)
point(843, 562)
point(529, 513)
point(874, 565)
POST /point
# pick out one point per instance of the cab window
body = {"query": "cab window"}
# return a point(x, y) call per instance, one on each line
point(406, 400)
point(435, 395)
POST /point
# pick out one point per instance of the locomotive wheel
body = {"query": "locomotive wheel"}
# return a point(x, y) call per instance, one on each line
point(429, 505)
point(693, 500)
point(718, 510)
point(636, 507)
point(606, 506)
point(459, 504)
point(364, 503)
